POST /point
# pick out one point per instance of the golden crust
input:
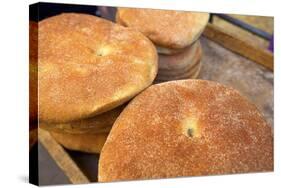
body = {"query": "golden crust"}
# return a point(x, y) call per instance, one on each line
point(165, 28)
point(89, 143)
point(88, 65)
point(98, 124)
point(186, 128)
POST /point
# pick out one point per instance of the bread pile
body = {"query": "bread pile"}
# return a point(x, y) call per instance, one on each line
point(88, 68)
point(175, 34)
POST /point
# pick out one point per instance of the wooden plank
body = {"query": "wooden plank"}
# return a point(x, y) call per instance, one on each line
point(235, 44)
point(62, 159)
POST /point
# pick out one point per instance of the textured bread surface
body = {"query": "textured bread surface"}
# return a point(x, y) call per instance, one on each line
point(186, 128)
point(89, 143)
point(165, 28)
point(98, 124)
point(88, 65)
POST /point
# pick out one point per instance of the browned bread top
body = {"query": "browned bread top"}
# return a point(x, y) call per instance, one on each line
point(166, 28)
point(186, 128)
point(88, 65)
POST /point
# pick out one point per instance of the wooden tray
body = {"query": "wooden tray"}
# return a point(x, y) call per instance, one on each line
point(227, 60)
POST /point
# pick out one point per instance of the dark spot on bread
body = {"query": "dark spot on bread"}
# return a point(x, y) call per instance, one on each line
point(190, 132)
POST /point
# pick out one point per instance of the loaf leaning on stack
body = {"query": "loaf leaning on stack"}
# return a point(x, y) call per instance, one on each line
point(88, 66)
point(186, 128)
point(175, 34)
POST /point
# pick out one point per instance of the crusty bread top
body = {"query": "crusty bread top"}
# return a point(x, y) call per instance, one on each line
point(186, 128)
point(166, 28)
point(88, 65)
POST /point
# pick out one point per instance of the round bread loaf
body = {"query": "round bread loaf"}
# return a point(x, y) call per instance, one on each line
point(186, 128)
point(98, 124)
point(89, 143)
point(88, 65)
point(165, 28)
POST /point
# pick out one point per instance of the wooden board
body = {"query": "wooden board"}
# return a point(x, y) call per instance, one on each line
point(222, 63)
point(63, 160)
point(235, 44)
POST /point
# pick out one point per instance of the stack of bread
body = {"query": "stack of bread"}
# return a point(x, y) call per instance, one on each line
point(174, 33)
point(88, 68)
